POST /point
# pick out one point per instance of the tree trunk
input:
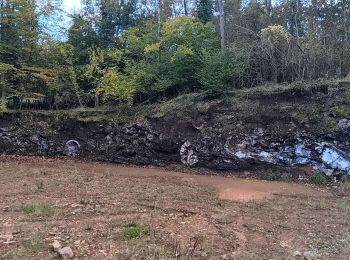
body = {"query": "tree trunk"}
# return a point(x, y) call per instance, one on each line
point(222, 23)
point(97, 100)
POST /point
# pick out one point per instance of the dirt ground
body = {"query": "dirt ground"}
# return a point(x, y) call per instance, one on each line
point(87, 206)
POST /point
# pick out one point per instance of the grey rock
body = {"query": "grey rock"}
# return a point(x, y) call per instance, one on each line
point(56, 246)
point(188, 156)
point(336, 159)
point(307, 255)
point(344, 125)
point(297, 254)
point(71, 148)
point(66, 253)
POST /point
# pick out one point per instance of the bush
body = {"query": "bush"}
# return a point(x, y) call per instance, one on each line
point(318, 178)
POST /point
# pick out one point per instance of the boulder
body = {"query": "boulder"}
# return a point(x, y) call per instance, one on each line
point(71, 148)
point(188, 156)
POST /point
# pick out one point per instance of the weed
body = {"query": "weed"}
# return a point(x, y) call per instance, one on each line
point(318, 178)
point(33, 244)
point(33, 208)
point(134, 231)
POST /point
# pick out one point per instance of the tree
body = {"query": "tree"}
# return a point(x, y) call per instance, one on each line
point(220, 70)
point(204, 10)
point(115, 85)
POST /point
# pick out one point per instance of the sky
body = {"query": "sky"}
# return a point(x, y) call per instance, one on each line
point(71, 5)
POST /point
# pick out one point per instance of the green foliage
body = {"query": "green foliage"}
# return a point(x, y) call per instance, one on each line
point(344, 111)
point(36, 208)
point(220, 70)
point(161, 56)
point(330, 124)
point(134, 231)
point(115, 85)
point(275, 34)
point(318, 178)
point(169, 62)
point(204, 10)
point(2, 106)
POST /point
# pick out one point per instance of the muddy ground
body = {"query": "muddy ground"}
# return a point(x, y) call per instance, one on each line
point(88, 205)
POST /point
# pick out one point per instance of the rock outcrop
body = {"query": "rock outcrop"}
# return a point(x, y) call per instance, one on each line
point(223, 136)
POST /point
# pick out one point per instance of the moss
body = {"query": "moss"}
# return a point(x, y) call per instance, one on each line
point(343, 110)
point(326, 125)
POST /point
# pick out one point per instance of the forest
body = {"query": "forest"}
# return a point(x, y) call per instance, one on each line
point(140, 51)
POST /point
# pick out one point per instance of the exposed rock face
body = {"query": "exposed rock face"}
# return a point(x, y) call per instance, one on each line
point(220, 138)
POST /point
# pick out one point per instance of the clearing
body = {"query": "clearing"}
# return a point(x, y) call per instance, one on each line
point(105, 211)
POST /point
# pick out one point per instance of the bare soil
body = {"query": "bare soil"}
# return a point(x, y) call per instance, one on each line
point(87, 205)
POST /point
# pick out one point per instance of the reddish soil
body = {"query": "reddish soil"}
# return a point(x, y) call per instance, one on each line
point(87, 206)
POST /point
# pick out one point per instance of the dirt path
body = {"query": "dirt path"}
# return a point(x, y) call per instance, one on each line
point(87, 206)
point(230, 188)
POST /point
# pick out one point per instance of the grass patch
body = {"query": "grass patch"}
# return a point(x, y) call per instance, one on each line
point(34, 208)
point(134, 231)
point(318, 178)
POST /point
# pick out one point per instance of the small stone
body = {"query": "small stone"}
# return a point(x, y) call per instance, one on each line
point(66, 253)
point(76, 205)
point(307, 255)
point(56, 246)
point(297, 254)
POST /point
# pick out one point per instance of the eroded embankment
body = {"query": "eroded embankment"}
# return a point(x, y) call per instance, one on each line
point(299, 125)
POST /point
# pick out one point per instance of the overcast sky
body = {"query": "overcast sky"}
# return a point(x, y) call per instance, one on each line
point(71, 5)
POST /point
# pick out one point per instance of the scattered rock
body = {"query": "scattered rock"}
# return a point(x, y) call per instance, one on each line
point(56, 246)
point(297, 254)
point(7, 237)
point(344, 125)
point(75, 205)
point(307, 255)
point(66, 253)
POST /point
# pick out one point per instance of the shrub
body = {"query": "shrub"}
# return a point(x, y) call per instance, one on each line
point(318, 178)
